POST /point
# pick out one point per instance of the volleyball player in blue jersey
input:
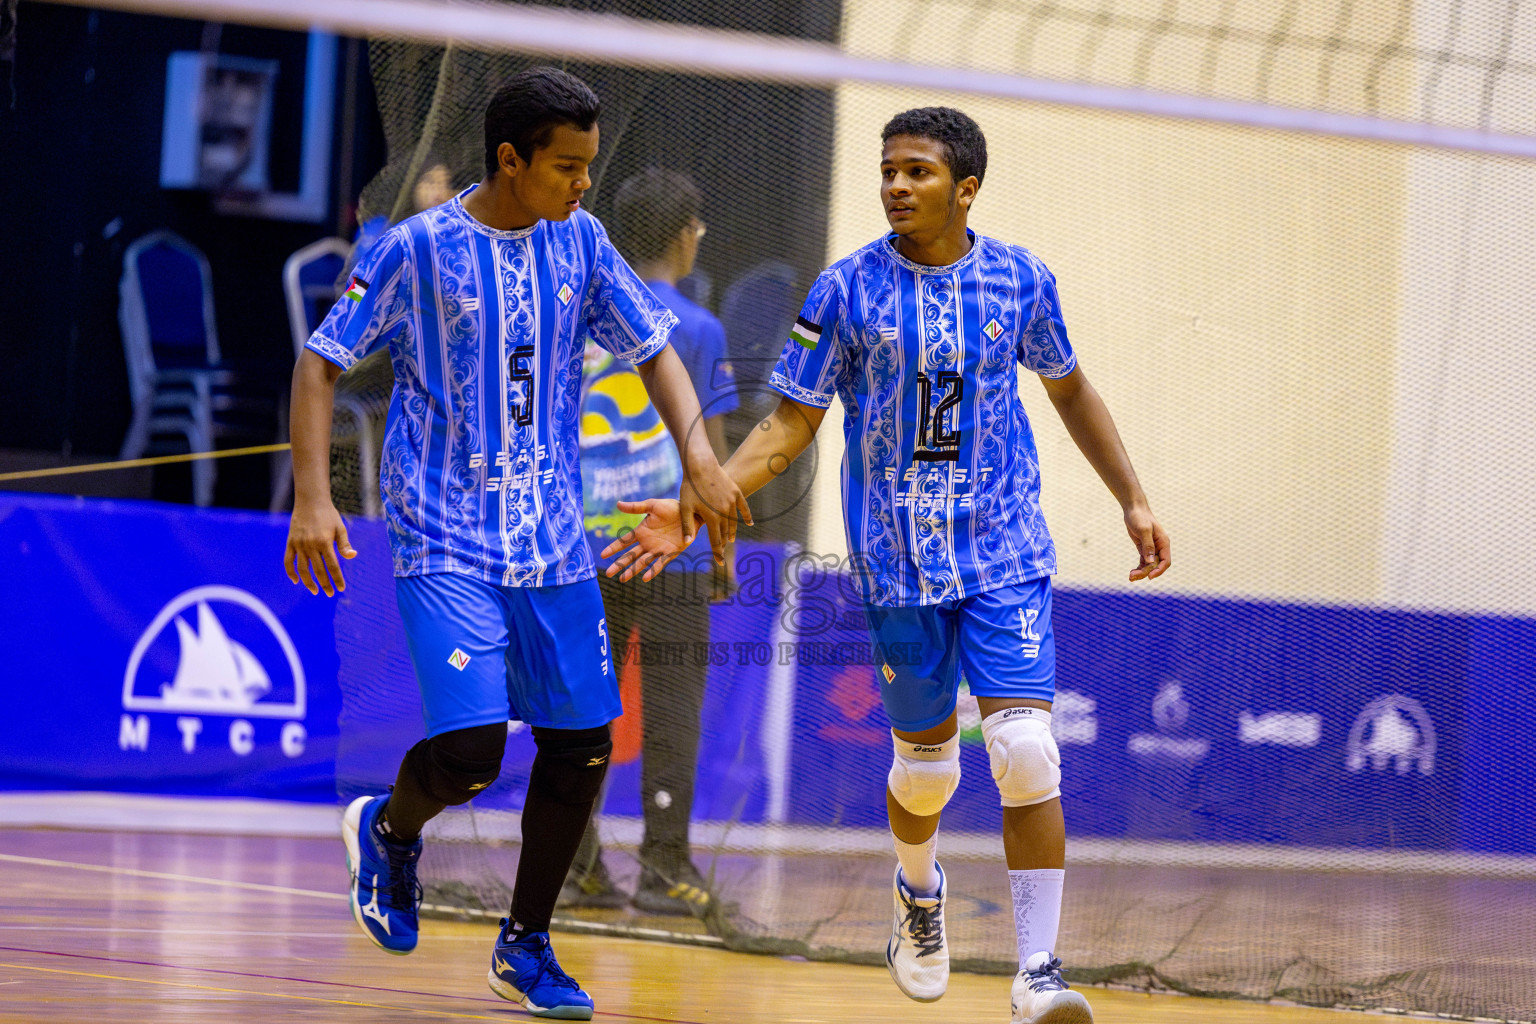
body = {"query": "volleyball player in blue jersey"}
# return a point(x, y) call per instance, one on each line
point(921, 334)
point(485, 303)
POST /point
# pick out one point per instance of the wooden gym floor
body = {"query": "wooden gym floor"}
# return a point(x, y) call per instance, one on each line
point(107, 927)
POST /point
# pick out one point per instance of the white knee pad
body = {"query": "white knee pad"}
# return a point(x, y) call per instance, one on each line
point(924, 776)
point(1025, 761)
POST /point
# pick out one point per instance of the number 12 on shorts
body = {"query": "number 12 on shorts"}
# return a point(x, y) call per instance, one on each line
point(1027, 617)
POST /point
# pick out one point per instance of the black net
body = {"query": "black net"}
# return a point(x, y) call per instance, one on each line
point(1294, 769)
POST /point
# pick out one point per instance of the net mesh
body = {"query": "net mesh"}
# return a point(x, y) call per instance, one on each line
point(1291, 771)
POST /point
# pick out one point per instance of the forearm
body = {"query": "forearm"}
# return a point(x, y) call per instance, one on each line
point(1092, 429)
point(313, 395)
point(714, 428)
point(671, 392)
point(773, 444)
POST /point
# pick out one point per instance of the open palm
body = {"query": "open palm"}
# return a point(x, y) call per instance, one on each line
point(655, 540)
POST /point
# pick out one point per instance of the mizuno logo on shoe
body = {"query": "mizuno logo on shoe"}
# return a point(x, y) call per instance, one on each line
point(372, 908)
point(500, 965)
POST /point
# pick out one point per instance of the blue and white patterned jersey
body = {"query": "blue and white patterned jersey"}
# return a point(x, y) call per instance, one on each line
point(480, 464)
point(941, 480)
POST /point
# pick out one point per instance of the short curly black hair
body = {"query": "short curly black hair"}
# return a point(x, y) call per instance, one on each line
point(528, 108)
point(965, 148)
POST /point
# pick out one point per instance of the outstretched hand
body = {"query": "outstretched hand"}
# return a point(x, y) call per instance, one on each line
point(1151, 540)
point(655, 540)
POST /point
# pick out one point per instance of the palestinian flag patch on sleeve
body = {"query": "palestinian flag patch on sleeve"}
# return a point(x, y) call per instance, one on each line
point(805, 332)
point(357, 290)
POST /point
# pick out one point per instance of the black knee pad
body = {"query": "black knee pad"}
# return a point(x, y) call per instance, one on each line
point(571, 763)
point(452, 767)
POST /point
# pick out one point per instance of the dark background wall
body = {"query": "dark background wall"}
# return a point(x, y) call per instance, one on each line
point(80, 133)
point(80, 136)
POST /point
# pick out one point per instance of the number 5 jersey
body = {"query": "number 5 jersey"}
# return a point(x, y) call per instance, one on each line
point(479, 468)
point(941, 478)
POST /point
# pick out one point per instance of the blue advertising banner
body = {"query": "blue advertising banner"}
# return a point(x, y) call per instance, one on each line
point(1219, 721)
point(160, 649)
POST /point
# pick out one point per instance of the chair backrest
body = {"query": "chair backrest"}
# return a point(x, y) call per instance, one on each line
point(165, 307)
point(309, 286)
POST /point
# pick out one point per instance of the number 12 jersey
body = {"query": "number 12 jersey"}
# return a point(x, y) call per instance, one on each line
point(941, 477)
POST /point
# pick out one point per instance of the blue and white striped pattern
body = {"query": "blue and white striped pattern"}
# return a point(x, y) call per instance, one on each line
point(941, 480)
point(479, 468)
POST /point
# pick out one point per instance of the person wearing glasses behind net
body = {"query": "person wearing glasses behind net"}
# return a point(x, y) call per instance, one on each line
point(627, 455)
point(920, 334)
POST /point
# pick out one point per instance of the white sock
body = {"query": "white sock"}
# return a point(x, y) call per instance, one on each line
point(918, 866)
point(1036, 909)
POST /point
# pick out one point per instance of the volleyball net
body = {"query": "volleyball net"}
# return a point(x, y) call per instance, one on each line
point(1294, 245)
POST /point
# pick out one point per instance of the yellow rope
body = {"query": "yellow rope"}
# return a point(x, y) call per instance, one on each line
point(159, 460)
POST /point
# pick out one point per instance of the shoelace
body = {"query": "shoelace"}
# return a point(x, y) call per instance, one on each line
point(925, 927)
point(404, 891)
point(550, 968)
point(1048, 977)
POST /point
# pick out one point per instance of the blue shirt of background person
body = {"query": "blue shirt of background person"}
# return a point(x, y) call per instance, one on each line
point(699, 341)
point(656, 227)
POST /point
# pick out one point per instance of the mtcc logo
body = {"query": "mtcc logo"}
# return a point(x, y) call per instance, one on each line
point(216, 652)
point(1393, 730)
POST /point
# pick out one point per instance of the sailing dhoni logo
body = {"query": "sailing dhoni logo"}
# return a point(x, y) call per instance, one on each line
point(236, 660)
point(215, 651)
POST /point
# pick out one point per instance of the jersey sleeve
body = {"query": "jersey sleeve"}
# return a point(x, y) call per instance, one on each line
point(373, 305)
point(618, 311)
point(1044, 347)
point(813, 358)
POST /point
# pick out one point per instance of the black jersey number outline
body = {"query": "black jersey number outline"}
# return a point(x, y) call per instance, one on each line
point(522, 413)
point(934, 442)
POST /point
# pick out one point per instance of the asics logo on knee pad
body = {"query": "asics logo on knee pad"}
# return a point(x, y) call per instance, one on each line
point(1026, 763)
point(924, 777)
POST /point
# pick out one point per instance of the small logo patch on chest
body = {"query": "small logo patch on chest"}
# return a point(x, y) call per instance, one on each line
point(992, 330)
point(564, 294)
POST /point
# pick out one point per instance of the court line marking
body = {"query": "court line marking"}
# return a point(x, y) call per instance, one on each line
point(118, 930)
point(564, 924)
point(279, 977)
point(168, 876)
point(247, 992)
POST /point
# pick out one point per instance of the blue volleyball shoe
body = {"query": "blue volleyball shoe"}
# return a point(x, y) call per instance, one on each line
point(525, 971)
point(385, 893)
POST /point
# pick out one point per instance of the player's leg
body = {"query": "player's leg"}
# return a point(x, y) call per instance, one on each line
point(1008, 650)
point(560, 680)
point(672, 700)
point(919, 681)
point(457, 637)
point(588, 883)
